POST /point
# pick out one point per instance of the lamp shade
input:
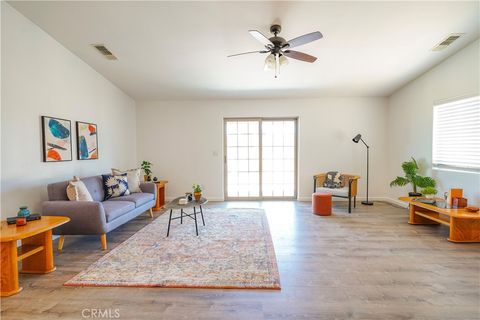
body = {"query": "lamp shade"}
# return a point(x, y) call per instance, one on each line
point(269, 63)
point(357, 138)
point(283, 60)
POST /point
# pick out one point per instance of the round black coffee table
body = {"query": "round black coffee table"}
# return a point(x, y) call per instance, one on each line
point(174, 205)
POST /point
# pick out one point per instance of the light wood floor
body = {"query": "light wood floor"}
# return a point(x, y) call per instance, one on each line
point(367, 265)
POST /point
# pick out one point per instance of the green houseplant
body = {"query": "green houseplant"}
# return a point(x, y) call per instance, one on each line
point(410, 168)
point(197, 191)
point(429, 192)
point(147, 168)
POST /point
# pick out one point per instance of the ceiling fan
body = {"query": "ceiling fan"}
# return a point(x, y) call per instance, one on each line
point(279, 48)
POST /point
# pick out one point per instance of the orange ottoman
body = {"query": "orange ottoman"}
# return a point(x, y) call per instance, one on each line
point(322, 204)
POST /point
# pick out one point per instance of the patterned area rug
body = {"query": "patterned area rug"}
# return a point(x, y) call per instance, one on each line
point(233, 250)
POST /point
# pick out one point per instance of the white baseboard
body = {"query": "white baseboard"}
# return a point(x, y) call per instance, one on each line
point(215, 199)
point(380, 199)
point(397, 202)
point(309, 198)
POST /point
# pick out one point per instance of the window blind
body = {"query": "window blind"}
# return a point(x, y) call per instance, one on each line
point(456, 135)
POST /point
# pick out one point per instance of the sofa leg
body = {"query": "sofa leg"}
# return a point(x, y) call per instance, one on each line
point(349, 205)
point(61, 240)
point(151, 213)
point(103, 239)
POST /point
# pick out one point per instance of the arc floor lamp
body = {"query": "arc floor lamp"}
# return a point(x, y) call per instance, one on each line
point(356, 139)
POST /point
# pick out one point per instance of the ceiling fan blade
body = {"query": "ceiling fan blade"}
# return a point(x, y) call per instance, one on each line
point(306, 38)
point(260, 37)
point(299, 56)
point(239, 54)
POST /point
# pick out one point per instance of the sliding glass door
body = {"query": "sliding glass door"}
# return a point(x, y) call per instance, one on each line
point(242, 149)
point(278, 158)
point(260, 158)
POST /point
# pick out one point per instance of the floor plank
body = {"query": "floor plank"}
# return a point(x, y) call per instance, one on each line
point(367, 265)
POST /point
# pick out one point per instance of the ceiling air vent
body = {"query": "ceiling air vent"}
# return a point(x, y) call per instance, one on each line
point(104, 51)
point(447, 41)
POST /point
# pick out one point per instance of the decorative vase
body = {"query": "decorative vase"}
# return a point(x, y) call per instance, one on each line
point(430, 196)
point(197, 195)
point(23, 212)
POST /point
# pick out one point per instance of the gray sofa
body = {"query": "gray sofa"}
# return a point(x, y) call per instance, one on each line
point(96, 217)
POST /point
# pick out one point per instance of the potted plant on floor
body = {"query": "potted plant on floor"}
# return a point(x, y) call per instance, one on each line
point(429, 192)
point(197, 191)
point(410, 168)
point(147, 168)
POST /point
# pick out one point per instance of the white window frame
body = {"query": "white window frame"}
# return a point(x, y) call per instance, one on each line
point(456, 135)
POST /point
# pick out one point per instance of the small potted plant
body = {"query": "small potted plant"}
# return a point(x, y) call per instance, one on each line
point(147, 168)
point(429, 192)
point(410, 168)
point(197, 191)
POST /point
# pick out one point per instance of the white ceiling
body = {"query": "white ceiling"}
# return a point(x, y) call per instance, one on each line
point(177, 50)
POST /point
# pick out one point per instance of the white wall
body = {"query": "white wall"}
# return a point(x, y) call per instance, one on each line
point(41, 77)
point(184, 139)
point(410, 115)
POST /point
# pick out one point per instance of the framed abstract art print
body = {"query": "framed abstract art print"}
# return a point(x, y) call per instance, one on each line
point(87, 141)
point(56, 139)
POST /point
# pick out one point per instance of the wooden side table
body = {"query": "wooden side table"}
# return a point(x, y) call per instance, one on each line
point(36, 252)
point(161, 184)
point(464, 226)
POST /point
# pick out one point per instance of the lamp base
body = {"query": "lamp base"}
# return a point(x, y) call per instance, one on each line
point(367, 203)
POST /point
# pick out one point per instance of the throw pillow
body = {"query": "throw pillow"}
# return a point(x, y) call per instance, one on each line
point(77, 191)
point(115, 186)
point(133, 178)
point(332, 180)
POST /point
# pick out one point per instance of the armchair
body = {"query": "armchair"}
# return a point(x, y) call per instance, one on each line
point(348, 189)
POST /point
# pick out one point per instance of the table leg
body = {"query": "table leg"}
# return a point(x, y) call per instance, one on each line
point(181, 216)
point(201, 213)
point(41, 262)
point(464, 230)
point(9, 271)
point(169, 220)
point(160, 202)
point(195, 216)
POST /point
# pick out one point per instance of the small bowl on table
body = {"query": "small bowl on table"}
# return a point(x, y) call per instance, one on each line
point(472, 209)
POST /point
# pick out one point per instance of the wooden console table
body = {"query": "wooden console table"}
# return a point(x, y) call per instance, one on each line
point(160, 203)
point(36, 252)
point(464, 226)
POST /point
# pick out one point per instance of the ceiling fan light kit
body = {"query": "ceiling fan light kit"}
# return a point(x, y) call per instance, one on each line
point(279, 49)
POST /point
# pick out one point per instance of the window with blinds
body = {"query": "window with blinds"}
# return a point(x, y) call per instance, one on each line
point(456, 135)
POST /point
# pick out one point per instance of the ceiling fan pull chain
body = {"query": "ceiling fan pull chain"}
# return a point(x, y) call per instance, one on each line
point(277, 65)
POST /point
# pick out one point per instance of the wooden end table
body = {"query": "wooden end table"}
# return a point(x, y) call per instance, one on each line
point(464, 226)
point(36, 252)
point(160, 202)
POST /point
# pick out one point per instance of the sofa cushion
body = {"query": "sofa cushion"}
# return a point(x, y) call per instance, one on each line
point(333, 191)
point(137, 198)
point(115, 209)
